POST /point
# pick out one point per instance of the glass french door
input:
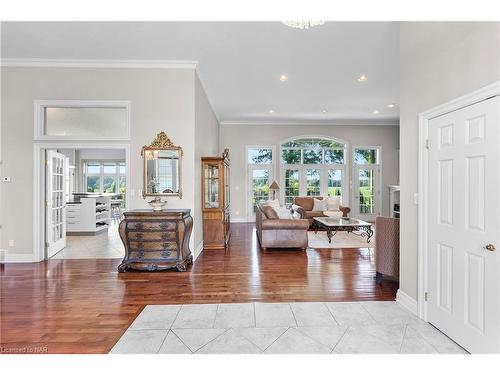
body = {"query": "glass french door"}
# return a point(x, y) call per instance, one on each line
point(313, 182)
point(367, 192)
point(55, 236)
point(259, 180)
point(302, 180)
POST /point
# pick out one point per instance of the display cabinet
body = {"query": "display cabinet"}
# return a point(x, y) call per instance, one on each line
point(216, 201)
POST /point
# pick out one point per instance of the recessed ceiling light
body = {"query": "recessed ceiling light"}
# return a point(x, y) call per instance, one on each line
point(271, 111)
point(391, 105)
point(283, 78)
point(376, 112)
point(324, 111)
point(362, 78)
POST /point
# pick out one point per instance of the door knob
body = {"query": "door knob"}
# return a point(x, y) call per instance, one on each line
point(490, 247)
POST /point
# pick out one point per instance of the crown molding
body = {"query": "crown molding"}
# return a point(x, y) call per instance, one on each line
point(340, 122)
point(82, 63)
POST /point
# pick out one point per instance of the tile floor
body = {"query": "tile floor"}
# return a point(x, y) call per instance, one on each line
point(282, 328)
point(103, 245)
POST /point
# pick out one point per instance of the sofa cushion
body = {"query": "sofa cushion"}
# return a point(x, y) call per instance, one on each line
point(274, 203)
point(333, 203)
point(311, 214)
point(284, 213)
point(319, 205)
point(284, 224)
point(270, 212)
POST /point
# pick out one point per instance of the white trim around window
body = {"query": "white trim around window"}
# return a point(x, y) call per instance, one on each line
point(302, 168)
point(102, 175)
point(39, 112)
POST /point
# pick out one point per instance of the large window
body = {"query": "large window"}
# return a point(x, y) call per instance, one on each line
point(312, 167)
point(105, 177)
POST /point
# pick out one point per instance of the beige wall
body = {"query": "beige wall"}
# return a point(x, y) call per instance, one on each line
point(439, 62)
point(237, 137)
point(161, 99)
point(206, 144)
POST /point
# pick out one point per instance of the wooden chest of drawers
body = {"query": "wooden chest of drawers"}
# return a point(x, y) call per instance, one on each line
point(156, 240)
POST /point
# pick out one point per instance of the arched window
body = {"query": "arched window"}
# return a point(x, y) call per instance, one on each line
point(313, 166)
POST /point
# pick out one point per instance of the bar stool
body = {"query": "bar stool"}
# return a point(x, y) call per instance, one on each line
point(116, 210)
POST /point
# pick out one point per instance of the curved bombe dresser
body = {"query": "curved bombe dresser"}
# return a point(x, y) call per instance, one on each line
point(156, 240)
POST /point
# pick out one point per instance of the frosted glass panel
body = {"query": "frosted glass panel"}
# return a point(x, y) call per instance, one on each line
point(86, 122)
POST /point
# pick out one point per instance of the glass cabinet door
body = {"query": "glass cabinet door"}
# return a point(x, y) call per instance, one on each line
point(211, 175)
point(227, 196)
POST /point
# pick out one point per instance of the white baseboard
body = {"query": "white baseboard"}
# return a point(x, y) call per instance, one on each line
point(407, 302)
point(8, 257)
point(197, 251)
point(240, 220)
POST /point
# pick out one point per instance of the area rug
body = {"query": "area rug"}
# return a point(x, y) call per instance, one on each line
point(339, 240)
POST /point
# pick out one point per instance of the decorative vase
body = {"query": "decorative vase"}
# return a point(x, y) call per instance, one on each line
point(157, 204)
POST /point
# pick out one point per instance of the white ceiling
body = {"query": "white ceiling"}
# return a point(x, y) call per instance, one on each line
point(240, 62)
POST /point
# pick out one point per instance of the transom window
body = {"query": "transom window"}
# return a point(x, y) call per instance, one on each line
point(312, 151)
point(82, 119)
point(261, 155)
point(366, 155)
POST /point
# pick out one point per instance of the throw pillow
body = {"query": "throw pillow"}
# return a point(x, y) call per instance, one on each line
point(333, 203)
point(284, 213)
point(319, 205)
point(274, 203)
point(270, 212)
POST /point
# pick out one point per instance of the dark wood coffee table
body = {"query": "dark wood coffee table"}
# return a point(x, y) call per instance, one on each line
point(346, 224)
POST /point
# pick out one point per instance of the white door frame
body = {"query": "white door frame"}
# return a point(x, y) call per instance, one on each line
point(423, 166)
point(354, 203)
point(248, 166)
point(39, 148)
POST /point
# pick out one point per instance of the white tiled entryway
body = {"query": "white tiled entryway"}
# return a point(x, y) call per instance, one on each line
point(104, 245)
point(282, 328)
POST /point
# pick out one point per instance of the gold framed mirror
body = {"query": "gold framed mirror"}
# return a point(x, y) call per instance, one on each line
point(162, 168)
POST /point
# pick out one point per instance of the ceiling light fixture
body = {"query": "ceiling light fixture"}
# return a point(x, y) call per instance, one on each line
point(283, 78)
point(376, 112)
point(362, 78)
point(303, 25)
point(324, 111)
point(392, 105)
point(271, 111)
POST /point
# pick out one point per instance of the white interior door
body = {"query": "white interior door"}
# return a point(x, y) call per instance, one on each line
point(55, 199)
point(463, 218)
point(366, 192)
point(260, 177)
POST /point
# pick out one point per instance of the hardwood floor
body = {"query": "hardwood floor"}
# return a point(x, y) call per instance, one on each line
point(84, 306)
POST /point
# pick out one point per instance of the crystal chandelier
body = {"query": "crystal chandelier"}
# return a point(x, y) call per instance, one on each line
point(303, 24)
